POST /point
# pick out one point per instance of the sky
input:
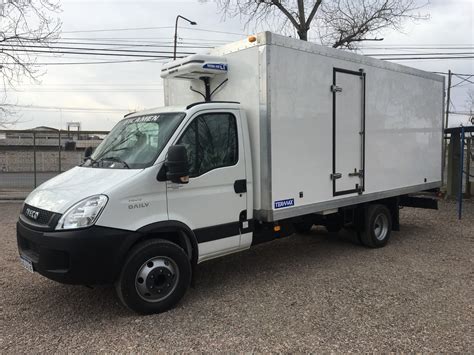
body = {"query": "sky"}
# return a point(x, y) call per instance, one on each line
point(97, 96)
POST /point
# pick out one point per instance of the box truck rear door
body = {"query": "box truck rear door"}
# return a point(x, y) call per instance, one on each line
point(348, 131)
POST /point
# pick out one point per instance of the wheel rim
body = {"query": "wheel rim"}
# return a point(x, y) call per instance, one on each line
point(381, 226)
point(157, 278)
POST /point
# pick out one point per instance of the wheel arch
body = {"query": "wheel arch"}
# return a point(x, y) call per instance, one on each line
point(173, 231)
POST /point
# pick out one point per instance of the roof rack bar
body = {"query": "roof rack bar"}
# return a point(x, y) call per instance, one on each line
point(211, 102)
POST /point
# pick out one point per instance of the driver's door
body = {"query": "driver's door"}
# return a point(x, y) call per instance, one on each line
point(214, 202)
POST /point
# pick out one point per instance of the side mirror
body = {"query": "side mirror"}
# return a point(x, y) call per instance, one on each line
point(88, 153)
point(177, 169)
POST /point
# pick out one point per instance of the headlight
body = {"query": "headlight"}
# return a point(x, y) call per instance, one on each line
point(83, 214)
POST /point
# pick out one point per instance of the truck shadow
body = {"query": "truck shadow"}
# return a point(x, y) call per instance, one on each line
point(315, 249)
point(273, 260)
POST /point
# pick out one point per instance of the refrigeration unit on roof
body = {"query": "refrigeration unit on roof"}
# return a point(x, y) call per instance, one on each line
point(194, 67)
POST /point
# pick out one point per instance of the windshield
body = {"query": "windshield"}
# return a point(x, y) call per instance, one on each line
point(136, 142)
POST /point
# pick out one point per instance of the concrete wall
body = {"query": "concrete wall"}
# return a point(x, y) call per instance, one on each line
point(46, 161)
point(51, 142)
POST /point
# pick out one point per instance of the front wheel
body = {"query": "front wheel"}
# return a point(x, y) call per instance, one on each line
point(155, 277)
point(378, 226)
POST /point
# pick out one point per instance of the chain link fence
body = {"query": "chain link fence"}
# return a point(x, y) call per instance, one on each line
point(30, 157)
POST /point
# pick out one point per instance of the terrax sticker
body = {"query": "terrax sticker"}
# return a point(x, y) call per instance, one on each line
point(285, 203)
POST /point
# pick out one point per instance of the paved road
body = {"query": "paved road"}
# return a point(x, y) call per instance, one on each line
point(313, 292)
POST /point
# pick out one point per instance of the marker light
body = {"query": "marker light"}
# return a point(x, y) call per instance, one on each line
point(252, 39)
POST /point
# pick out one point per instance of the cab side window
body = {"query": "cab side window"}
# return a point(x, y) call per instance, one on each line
point(211, 142)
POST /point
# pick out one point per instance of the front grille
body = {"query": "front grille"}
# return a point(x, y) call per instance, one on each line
point(38, 219)
point(37, 215)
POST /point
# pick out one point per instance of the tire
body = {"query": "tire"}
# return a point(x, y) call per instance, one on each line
point(303, 227)
point(378, 226)
point(154, 277)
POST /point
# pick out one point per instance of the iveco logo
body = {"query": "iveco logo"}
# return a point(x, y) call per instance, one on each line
point(32, 214)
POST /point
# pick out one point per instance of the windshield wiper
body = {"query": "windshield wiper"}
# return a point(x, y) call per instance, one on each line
point(117, 159)
point(92, 161)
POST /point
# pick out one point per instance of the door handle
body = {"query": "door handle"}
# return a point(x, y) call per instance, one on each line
point(336, 176)
point(359, 173)
point(240, 186)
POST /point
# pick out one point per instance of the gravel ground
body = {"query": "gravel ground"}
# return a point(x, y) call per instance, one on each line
point(307, 293)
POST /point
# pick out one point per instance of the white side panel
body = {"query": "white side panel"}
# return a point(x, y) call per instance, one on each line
point(301, 127)
point(403, 128)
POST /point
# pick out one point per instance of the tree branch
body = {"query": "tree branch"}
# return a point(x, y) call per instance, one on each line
point(313, 12)
point(280, 7)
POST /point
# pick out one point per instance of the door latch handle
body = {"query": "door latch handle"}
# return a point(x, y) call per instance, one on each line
point(359, 173)
point(336, 176)
point(240, 186)
point(335, 88)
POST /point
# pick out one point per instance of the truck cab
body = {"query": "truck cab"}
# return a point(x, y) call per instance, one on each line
point(177, 180)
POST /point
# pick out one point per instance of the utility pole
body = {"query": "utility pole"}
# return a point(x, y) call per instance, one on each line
point(448, 100)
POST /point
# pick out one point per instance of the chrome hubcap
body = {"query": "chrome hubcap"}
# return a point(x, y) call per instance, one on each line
point(381, 227)
point(157, 279)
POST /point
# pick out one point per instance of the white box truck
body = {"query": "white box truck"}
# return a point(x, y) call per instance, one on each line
point(257, 139)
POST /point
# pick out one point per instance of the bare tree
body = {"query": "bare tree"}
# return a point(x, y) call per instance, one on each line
point(470, 100)
point(339, 23)
point(470, 104)
point(24, 25)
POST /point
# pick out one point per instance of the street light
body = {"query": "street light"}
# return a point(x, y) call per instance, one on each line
point(176, 31)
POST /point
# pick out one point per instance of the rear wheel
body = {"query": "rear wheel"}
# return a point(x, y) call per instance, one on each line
point(155, 277)
point(378, 226)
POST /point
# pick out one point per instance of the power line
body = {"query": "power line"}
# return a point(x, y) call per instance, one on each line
point(94, 109)
point(412, 54)
point(180, 45)
point(152, 60)
point(147, 39)
point(213, 31)
point(144, 53)
point(428, 58)
point(463, 113)
point(98, 54)
point(410, 48)
point(9, 48)
point(84, 90)
point(154, 28)
point(445, 73)
point(120, 29)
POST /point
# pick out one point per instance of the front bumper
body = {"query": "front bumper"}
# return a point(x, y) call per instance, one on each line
point(88, 256)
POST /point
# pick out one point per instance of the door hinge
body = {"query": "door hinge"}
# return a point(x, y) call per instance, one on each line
point(335, 176)
point(335, 88)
